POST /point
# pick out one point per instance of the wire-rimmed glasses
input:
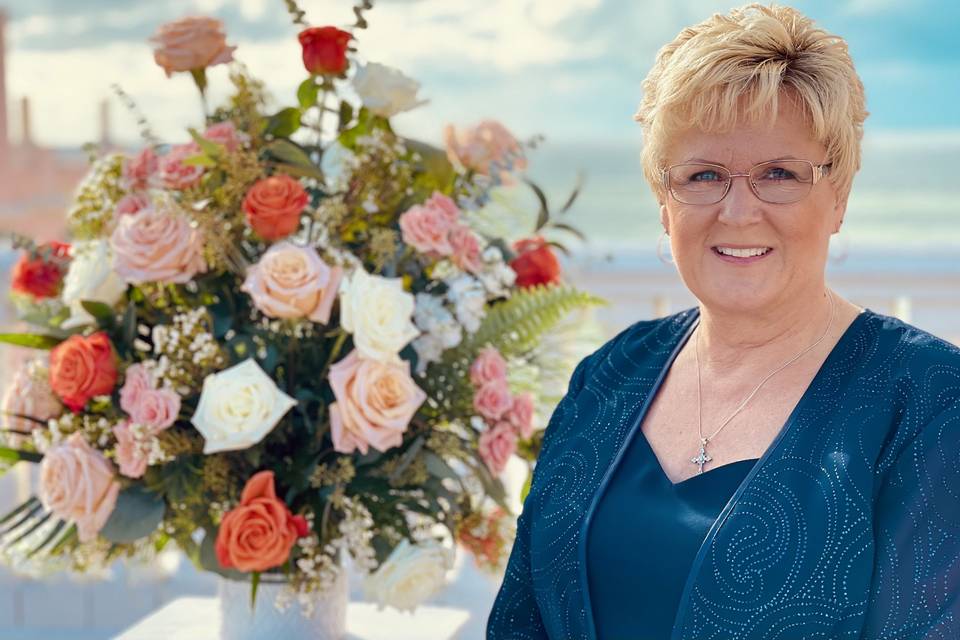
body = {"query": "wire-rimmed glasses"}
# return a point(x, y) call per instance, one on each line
point(774, 181)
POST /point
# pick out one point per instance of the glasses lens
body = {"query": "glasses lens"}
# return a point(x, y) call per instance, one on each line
point(698, 183)
point(782, 181)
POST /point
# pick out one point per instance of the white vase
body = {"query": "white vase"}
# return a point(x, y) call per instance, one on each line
point(238, 621)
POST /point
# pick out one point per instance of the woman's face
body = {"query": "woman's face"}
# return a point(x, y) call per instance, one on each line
point(796, 235)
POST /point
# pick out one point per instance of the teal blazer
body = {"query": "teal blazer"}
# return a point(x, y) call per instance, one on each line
point(847, 527)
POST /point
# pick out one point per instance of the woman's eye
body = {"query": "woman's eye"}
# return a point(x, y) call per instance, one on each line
point(705, 176)
point(777, 173)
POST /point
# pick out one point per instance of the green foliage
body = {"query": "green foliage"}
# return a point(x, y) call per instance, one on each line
point(290, 158)
point(137, 514)
point(13, 455)
point(30, 340)
point(283, 123)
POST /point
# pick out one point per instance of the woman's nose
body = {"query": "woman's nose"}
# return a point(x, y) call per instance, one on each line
point(740, 206)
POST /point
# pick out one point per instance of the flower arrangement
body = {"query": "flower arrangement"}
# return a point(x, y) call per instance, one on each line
point(285, 339)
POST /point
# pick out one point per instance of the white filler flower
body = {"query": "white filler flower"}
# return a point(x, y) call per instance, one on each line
point(238, 407)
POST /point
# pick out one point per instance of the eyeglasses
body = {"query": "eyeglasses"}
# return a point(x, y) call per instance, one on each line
point(775, 182)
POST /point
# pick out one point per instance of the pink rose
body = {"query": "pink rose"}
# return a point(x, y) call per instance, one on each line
point(78, 485)
point(130, 204)
point(466, 248)
point(520, 414)
point(487, 148)
point(375, 403)
point(174, 173)
point(156, 409)
point(497, 445)
point(132, 450)
point(191, 43)
point(488, 366)
point(225, 133)
point(492, 400)
point(156, 245)
point(293, 282)
point(138, 171)
point(29, 394)
point(427, 229)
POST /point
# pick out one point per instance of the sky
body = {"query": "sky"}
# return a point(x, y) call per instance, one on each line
point(568, 69)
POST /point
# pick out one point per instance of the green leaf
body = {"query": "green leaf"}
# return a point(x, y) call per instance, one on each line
point(408, 456)
point(254, 584)
point(102, 313)
point(435, 162)
point(573, 194)
point(39, 522)
point(283, 123)
point(438, 467)
point(543, 217)
point(30, 340)
point(200, 161)
point(345, 115)
point(21, 518)
point(287, 153)
point(212, 149)
point(129, 326)
point(568, 228)
point(14, 455)
point(49, 539)
point(137, 514)
point(30, 503)
point(307, 93)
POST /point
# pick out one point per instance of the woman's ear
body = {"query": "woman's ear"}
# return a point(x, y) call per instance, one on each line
point(839, 211)
point(664, 219)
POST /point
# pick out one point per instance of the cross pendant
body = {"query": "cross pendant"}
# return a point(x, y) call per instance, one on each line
point(703, 457)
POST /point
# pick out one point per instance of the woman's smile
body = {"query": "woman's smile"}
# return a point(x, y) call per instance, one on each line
point(741, 254)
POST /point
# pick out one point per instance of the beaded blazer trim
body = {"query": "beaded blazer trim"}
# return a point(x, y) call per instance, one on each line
point(847, 527)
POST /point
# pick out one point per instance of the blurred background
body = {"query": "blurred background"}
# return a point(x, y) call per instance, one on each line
point(567, 69)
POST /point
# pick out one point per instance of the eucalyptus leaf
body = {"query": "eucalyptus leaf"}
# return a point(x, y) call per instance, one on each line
point(137, 514)
point(208, 558)
point(307, 93)
point(288, 153)
point(30, 340)
point(283, 123)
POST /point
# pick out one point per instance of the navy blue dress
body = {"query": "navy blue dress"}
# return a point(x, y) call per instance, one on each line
point(644, 537)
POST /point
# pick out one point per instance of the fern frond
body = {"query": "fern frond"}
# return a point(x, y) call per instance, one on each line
point(515, 327)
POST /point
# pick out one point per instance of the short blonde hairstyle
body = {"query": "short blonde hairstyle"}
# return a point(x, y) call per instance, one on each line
point(734, 68)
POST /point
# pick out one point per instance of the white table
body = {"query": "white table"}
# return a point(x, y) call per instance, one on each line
point(194, 618)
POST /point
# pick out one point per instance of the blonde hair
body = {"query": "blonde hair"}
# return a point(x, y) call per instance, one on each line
point(734, 68)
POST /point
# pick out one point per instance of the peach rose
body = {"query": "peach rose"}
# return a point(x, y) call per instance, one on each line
point(138, 171)
point(29, 394)
point(497, 445)
point(488, 366)
point(520, 414)
point(426, 230)
point(174, 173)
point(466, 248)
point(487, 148)
point(78, 485)
point(133, 450)
point(155, 409)
point(273, 206)
point(156, 245)
point(191, 43)
point(130, 204)
point(375, 403)
point(81, 368)
point(225, 133)
point(293, 282)
point(492, 400)
point(259, 533)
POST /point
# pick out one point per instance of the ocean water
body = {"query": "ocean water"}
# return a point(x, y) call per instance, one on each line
point(903, 214)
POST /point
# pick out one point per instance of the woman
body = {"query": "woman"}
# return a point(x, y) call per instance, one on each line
point(778, 463)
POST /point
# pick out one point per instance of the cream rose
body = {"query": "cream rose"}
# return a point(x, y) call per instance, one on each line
point(378, 312)
point(293, 282)
point(90, 277)
point(411, 574)
point(157, 245)
point(238, 407)
point(375, 402)
point(386, 91)
point(78, 485)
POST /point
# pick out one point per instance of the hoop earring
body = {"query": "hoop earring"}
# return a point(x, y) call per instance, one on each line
point(843, 251)
point(666, 261)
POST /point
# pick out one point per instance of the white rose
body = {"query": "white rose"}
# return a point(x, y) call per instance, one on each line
point(238, 407)
point(386, 91)
point(90, 277)
point(377, 311)
point(409, 576)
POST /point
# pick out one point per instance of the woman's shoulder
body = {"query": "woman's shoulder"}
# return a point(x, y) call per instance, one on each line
point(909, 352)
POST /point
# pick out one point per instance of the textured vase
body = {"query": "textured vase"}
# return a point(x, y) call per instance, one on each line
point(239, 621)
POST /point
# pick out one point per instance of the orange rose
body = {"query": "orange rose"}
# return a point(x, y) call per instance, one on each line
point(258, 534)
point(81, 368)
point(273, 206)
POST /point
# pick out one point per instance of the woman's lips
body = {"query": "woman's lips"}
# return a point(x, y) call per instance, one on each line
point(737, 260)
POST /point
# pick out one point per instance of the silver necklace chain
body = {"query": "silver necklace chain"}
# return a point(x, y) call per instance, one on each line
point(703, 457)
